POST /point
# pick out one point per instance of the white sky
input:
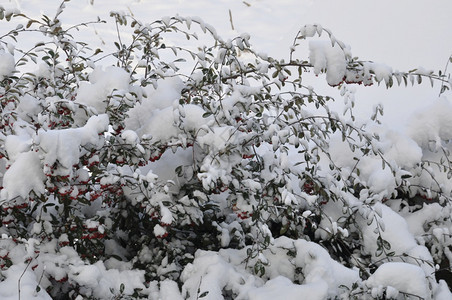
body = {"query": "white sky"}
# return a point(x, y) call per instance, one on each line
point(404, 34)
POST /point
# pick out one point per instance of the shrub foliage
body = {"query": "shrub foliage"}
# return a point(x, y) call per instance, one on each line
point(147, 160)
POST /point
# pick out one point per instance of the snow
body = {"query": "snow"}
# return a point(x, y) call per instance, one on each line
point(169, 290)
point(16, 144)
point(166, 216)
point(161, 125)
point(86, 275)
point(156, 118)
point(194, 117)
point(401, 241)
point(64, 145)
point(323, 276)
point(102, 83)
point(319, 267)
point(325, 57)
point(443, 292)
point(432, 124)
point(101, 279)
point(217, 138)
point(403, 277)
point(28, 106)
point(130, 137)
point(159, 231)
point(210, 272)
point(7, 64)
point(28, 282)
point(382, 72)
point(429, 213)
point(399, 149)
point(280, 286)
point(24, 176)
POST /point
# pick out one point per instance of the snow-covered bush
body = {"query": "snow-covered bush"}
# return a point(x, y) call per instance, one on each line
point(182, 171)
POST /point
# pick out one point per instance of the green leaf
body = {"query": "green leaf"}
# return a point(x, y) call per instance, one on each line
point(386, 245)
point(29, 23)
point(203, 294)
point(179, 170)
point(379, 252)
point(284, 229)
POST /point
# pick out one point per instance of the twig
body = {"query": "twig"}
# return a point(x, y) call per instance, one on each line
point(445, 71)
point(20, 278)
point(230, 20)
